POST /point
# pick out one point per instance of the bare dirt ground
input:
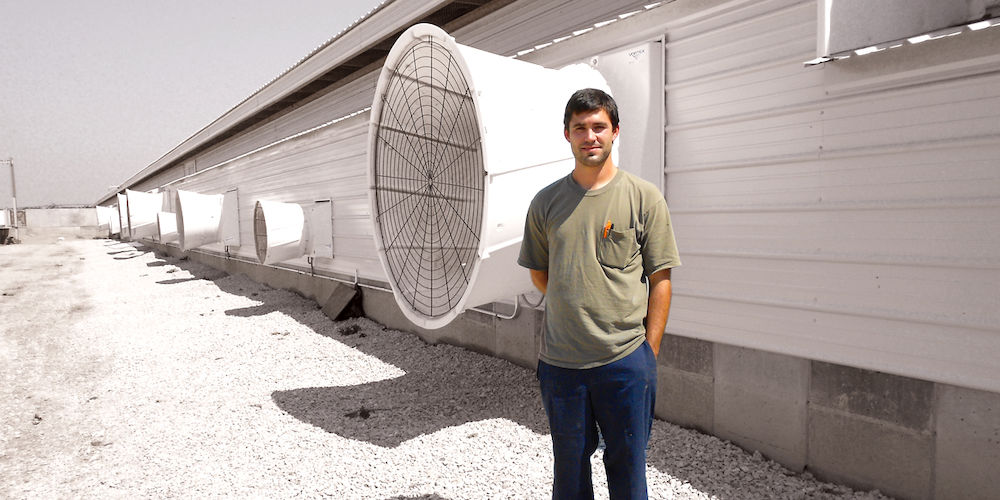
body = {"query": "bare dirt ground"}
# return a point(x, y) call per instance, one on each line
point(125, 374)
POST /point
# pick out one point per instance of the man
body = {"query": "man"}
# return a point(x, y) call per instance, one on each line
point(591, 242)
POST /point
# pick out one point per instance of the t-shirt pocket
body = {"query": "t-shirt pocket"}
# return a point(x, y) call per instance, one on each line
point(618, 249)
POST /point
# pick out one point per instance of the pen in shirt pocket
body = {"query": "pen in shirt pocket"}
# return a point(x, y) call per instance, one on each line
point(608, 226)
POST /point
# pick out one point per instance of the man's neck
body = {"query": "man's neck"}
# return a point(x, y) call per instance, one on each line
point(591, 178)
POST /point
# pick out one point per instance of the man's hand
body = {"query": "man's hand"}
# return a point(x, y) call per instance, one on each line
point(658, 308)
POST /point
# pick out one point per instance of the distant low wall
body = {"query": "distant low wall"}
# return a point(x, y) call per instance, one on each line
point(43, 225)
point(60, 217)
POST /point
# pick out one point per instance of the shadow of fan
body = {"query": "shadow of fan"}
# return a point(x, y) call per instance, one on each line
point(432, 496)
point(454, 388)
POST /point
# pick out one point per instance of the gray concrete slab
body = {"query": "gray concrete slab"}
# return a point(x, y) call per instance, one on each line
point(760, 402)
point(684, 398)
point(518, 339)
point(899, 400)
point(967, 458)
point(869, 453)
point(686, 354)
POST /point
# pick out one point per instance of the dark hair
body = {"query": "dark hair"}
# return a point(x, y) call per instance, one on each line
point(584, 100)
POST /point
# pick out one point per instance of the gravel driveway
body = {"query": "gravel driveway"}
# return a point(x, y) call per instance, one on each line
point(128, 374)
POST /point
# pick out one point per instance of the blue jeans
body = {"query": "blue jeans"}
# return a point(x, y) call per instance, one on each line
point(619, 397)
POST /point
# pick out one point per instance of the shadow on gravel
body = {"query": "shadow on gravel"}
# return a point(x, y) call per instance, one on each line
point(139, 253)
point(183, 280)
point(420, 497)
point(444, 386)
point(250, 311)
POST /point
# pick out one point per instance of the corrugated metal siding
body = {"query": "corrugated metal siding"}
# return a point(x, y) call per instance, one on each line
point(346, 99)
point(527, 23)
point(342, 101)
point(851, 225)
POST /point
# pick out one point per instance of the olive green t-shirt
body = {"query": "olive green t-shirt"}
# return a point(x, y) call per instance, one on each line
point(596, 295)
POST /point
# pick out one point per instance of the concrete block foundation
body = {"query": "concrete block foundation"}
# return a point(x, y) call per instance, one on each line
point(870, 454)
point(967, 455)
point(685, 381)
point(760, 402)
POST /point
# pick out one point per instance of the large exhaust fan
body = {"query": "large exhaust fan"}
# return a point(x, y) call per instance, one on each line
point(207, 219)
point(142, 210)
point(124, 234)
point(460, 141)
point(279, 231)
point(166, 224)
point(287, 231)
point(199, 217)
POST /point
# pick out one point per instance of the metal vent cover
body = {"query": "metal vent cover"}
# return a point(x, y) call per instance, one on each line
point(427, 174)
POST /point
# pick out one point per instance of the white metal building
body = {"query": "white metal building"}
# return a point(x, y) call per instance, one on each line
point(838, 304)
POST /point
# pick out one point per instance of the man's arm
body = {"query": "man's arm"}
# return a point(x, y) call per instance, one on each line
point(540, 279)
point(658, 307)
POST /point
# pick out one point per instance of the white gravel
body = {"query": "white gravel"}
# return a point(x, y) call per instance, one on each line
point(127, 374)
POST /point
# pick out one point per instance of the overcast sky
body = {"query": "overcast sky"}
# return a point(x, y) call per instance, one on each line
point(92, 92)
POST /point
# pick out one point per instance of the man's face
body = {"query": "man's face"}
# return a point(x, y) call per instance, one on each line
point(591, 136)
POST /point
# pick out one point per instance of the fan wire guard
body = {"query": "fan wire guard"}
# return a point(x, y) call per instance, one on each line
point(428, 178)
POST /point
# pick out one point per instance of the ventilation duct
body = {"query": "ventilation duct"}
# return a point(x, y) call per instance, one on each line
point(123, 217)
point(115, 221)
point(142, 210)
point(460, 141)
point(166, 224)
point(278, 231)
point(286, 231)
point(847, 25)
point(105, 215)
point(229, 227)
point(198, 219)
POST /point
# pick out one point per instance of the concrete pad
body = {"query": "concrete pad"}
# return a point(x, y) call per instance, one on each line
point(868, 453)
point(967, 461)
point(760, 402)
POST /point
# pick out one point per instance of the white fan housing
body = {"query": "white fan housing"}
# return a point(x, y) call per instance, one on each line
point(166, 224)
point(286, 231)
point(199, 218)
point(142, 210)
point(123, 217)
point(460, 141)
point(279, 231)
